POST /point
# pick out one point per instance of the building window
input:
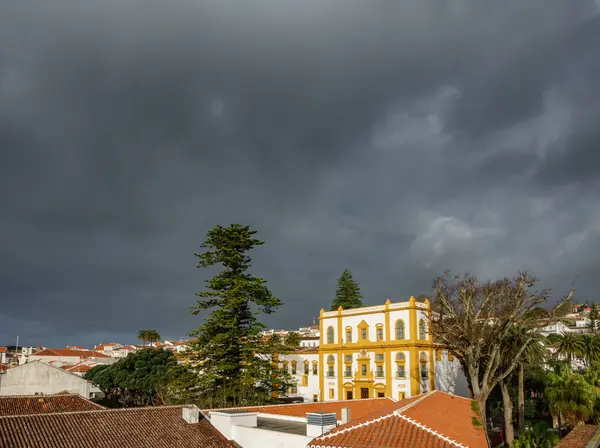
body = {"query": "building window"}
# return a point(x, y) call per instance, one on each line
point(424, 369)
point(400, 371)
point(348, 334)
point(306, 368)
point(294, 388)
point(363, 333)
point(379, 371)
point(363, 369)
point(294, 364)
point(347, 358)
point(315, 398)
point(331, 394)
point(380, 333)
point(379, 357)
point(348, 372)
point(330, 371)
point(285, 367)
point(315, 368)
point(422, 330)
point(400, 357)
point(380, 394)
point(304, 380)
point(330, 359)
point(399, 329)
point(330, 335)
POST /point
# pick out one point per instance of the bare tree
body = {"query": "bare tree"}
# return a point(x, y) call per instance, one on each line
point(474, 320)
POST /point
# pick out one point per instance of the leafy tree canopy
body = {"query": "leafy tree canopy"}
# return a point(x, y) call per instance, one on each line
point(136, 379)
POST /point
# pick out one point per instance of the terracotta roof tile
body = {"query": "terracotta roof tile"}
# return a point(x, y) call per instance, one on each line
point(154, 427)
point(3, 349)
point(358, 408)
point(25, 405)
point(66, 352)
point(426, 421)
point(579, 437)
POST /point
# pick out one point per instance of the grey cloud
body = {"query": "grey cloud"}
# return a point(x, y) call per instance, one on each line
point(397, 140)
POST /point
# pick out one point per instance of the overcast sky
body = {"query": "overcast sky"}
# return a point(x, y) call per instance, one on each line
point(395, 139)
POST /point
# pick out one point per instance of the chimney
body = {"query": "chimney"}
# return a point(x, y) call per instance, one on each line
point(191, 414)
point(345, 415)
point(319, 423)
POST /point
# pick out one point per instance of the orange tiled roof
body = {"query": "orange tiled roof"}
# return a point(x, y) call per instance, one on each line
point(358, 408)
point(65, 352)
point(432, 420)
point(579, 437)
point(104, 346)
point(3, 349)
point(47, 404)
point(151, 427)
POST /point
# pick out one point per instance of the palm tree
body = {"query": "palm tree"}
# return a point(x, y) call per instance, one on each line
point(570, 396)
point(569, 346)
point(590, 348)
point(535, 354)
point(152, 336)
point(143, 336)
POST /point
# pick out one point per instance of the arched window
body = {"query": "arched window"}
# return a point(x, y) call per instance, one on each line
point(294, 367)
point(306, 368)
point(400, 357)
point(315, 367)
point(423, 357)
point(330, 335)
point(422, 330)
point(424, 370)
point(400, 329)
point(330, 359)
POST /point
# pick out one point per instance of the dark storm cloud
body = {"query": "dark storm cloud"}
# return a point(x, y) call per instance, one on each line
point(395, 139)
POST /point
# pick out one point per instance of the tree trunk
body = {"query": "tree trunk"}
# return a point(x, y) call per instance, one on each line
point(508, 413)
point(521, 399)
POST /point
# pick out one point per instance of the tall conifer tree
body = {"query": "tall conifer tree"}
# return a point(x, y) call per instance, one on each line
point(234, 361)
point(347, 294)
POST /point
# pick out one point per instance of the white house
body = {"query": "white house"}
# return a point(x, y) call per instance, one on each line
point(40, 378)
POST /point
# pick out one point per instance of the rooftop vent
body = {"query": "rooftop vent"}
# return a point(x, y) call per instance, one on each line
point(191, 414)
point(319, 423)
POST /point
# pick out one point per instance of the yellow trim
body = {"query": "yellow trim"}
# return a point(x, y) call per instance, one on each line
point(388, 353)
point(414, 374)
point(431, 370)
point(401, 395)
point(320, 365)
point(304, 380)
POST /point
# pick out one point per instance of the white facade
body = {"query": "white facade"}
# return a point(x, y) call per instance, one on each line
point(244, 429)
point(307, 385)
point(40, 378)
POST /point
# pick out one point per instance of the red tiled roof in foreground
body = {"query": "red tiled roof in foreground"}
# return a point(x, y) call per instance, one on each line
point(358, 408)
point(433, 420)
point(3, 349)
point(154, 427)
point(46, 404)
point(66, 352)
point(580, 436)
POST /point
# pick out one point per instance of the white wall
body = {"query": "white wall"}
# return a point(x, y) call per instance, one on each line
point(263, 438)
point(450, 378)
point(38, 377)
point(306, 392)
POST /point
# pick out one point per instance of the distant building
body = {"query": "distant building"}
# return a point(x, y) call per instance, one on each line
point(37, 377)
point(65, 356)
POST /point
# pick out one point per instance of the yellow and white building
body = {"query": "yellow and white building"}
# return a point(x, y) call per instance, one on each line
point(375, 351)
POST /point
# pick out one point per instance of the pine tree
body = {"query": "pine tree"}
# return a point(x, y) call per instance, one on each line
point(347, 294)
point(594, 319)
point(235, 361)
